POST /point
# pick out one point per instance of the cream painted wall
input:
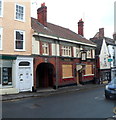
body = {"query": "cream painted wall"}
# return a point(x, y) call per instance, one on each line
point(9, 24)
point(104, 54)
point(35, 46)
point(55, 49)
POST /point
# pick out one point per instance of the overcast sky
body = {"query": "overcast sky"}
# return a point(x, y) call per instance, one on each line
point(66, 13)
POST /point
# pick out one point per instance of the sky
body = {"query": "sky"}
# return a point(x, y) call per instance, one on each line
point(66, 13)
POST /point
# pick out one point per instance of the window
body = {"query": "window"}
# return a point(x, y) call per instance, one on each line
point(19, 12)
point(66, 51)
point(77, 52)
point(1, 8)
point(45, 48)
point(19, 40)
point(7, 72)
point(89, 54)
point(83, 55)
point(88, 69)
point(24, 64)
point(67, 71)
point(0, 38)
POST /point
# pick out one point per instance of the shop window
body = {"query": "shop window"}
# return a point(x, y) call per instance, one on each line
point(6, 76)
point(7, 72)
point(88, 69)
point(66, 71)
point(24, 64)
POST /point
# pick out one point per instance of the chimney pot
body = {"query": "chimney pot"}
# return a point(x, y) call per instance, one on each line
point(43, 4)
point(101, 32)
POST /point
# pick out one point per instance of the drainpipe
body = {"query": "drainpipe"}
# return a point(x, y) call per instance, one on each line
point(56, 65)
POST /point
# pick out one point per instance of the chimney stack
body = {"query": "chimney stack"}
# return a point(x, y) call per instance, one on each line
point(114, 37)
point(80, 27)
point(42, 14)
point(101, 32)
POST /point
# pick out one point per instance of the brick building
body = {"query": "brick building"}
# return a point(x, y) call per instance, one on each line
point(61, 56)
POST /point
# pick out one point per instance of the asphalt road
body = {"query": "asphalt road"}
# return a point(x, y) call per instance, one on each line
point(81, 104)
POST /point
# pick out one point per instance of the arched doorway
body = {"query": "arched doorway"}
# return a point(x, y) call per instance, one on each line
point(44, 75)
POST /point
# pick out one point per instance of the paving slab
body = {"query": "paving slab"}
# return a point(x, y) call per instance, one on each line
point(46, 92)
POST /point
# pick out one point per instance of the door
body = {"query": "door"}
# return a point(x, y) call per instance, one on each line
point(25, 78)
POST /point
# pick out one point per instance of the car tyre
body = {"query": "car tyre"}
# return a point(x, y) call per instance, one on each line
point(107, 97)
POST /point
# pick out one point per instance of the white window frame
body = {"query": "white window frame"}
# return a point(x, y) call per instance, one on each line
point(23, 14)
point(1, 33)
point(77, 52)
point(1, 14)
point(15, 40)
point(66, 51)
point(45, 48)
point(89, 54)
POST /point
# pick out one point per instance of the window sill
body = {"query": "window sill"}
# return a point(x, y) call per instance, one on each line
point(7, 86)
point(20, 50)
point(67, 77)
point(89, 75)
point(20, 20)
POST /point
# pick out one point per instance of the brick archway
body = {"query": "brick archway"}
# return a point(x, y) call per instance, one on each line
point(45, 75)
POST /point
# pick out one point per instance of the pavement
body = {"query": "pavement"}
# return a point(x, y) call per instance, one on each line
point(50, 91)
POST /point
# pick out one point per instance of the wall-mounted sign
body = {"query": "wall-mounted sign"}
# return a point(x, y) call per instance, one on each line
point(46, 60)
point(110, 60)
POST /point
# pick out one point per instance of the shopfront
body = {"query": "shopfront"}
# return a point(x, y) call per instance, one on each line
point(6, 75)
point(16, 74)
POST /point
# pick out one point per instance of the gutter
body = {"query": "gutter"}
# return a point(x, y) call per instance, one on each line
point(63, 39)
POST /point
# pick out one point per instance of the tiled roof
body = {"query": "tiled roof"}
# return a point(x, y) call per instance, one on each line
point(58, 31)
point(99, 42)
point(99, 45)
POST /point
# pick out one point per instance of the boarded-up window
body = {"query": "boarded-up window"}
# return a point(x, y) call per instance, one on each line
point(66, 71)
point(88, 69)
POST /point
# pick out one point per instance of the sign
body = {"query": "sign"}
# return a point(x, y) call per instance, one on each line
point(110, 60)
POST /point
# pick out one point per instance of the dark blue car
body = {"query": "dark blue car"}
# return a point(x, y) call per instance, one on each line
point(110, 89)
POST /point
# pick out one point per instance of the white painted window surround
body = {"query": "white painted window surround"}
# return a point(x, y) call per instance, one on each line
point(20, 12)
point(66, 51)
point(1, 8)
point(19, 40)
point(1, 34)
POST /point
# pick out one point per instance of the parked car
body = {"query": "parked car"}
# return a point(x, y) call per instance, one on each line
point(110, 89)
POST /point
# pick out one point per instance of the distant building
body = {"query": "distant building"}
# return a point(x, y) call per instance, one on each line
point(16, 63)
point(105, 53)
point(61, 57)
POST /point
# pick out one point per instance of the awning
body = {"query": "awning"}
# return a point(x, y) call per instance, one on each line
point(8, 57)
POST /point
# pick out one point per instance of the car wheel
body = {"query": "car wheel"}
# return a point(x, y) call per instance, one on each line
point(107, 97)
